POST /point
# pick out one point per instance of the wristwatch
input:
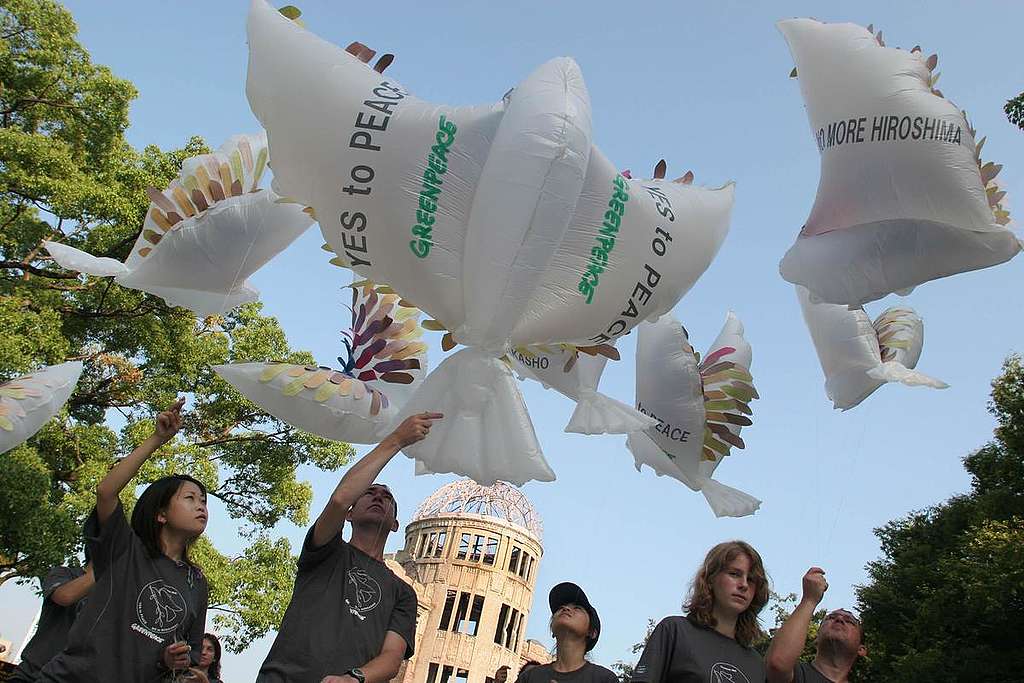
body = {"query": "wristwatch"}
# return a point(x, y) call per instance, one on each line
point(357, 674)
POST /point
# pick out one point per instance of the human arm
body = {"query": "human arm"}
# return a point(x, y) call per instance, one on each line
point(655, 662)
point(70, 592)
point(108, 490)
point(784, 651)
point(361, 475)
point(381, 668)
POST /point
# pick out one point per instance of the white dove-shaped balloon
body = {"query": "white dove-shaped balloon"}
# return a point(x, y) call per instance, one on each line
point(904, 196)
point(700, 405)
point(500, 221)
point(858, 356)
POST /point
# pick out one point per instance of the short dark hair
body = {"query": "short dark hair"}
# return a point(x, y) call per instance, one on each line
point(155, 498)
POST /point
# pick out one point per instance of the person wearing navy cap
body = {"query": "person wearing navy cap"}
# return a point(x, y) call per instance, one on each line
point(576, 628)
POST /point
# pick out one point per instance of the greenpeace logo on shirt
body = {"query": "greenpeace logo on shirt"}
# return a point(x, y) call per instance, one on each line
point(723, 672)
point(160, 607)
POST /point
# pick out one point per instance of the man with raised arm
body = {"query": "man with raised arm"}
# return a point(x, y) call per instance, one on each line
point(839, 642)
point(350, 620)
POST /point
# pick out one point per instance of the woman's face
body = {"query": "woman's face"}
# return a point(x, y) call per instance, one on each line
point(734, 587)
point(186, 512)
point(206, 656)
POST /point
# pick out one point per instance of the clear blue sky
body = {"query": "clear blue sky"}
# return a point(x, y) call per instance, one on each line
point(705, 86)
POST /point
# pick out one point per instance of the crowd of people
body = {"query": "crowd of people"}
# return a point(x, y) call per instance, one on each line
point(137, 610)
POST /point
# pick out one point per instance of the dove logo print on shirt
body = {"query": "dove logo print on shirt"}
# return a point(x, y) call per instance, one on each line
point(723, 672)
point(160, 607)
point(362, 592)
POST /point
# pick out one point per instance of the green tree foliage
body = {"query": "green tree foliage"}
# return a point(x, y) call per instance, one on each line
point(946, 600)
point(780, 607)
point(67, 174)
point(1014, 109)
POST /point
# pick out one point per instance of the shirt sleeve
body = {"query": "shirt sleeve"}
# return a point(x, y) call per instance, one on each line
point(311, 556)
point(56, 578)
point(108, 542)
point(403, 617)
point(656, 660)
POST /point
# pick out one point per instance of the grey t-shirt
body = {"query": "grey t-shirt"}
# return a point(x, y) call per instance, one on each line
point(680, 651)
point(54, 623)
point(139, 605)
point(343, 604)
point(805, 673)
point(588, 673)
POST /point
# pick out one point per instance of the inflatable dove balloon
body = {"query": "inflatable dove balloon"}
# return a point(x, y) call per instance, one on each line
point(904, 196)
point(700, 405)
point(858, 356)
point(575, 373)
point(205, 234)
point(358, 403)
point(28, 402)
point(457, 208)
point(462, 210)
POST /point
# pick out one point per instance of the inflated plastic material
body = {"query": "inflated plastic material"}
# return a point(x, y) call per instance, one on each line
point(904, 197)
point(358, 403)
point(576, 375)
point(488, 411)
point(858, 356)
point(633, 249)
point(28, 402)
point(204, 235)
point(463, 210)
point(700, 406)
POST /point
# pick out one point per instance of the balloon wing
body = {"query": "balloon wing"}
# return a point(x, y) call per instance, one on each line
point(849, 348)
point(28, 402)
point(904, 196)
point(205, 234)
point(700, 407)
point(357, 403)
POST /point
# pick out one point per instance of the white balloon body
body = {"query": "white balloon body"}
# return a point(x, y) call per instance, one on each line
point(28, 402)
point(848, 348)
point(669, 387)
point(359, 403)
point(633, 249)
point(576, 375)
point(901, 199)
point(202, 262)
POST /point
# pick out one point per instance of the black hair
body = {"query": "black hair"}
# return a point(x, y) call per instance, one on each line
point(153, 500)
point(214, 670)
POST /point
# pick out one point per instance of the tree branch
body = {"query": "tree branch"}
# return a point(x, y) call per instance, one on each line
point(38, 271)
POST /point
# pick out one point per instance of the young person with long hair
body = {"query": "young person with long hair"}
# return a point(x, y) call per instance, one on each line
point(576, 628)
point(146, 614)
point(350, 619)
point(209, 658)
point(837, 647)
point(64, 592)
point(712, 643)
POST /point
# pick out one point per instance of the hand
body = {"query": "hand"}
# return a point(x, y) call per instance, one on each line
point(169, 422)
point(814, 585)
point(414, 428)
point(194, 675)
point(176, 656)
point(339, 679)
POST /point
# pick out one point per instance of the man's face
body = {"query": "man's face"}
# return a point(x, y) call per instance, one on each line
point(375, 506)
point(841, 627)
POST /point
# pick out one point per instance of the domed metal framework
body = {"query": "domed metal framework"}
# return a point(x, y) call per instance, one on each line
point(466, 497)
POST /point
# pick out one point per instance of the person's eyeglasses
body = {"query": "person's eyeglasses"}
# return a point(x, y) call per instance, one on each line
point(842, 617)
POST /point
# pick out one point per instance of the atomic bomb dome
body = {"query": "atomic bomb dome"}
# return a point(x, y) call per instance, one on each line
point(471, 554)
point(467, 498)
